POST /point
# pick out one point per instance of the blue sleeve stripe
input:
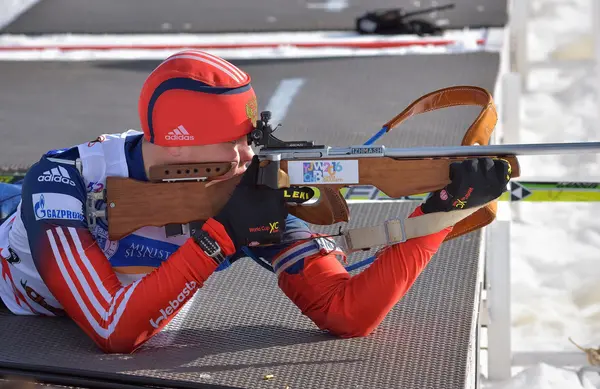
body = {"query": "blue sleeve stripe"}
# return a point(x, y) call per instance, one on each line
point(293, 255)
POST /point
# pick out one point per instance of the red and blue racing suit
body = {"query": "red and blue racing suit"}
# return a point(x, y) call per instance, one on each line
point(121, 293)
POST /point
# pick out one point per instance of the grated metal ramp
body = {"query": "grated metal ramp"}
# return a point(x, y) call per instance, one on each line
point(193, 16)
point(240, 327)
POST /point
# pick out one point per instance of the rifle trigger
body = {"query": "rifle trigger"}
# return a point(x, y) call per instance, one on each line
point(173, 230)
point(93, 212)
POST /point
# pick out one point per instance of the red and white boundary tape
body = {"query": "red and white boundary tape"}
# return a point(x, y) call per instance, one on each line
point(242, 45)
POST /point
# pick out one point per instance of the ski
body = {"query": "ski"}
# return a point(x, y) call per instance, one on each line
point(552, 191)
point(9, 175)
point(529, 191)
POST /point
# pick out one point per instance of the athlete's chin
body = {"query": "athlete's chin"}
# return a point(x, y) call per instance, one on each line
point(235, 171)
point(240, 170)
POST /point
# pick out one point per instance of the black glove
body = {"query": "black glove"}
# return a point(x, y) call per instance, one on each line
point(256, 214)
point(474, 182)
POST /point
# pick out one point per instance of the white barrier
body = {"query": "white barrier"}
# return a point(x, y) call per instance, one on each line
point(497, 304)
point(596, 30)
point(518, 16)
point(511, 107)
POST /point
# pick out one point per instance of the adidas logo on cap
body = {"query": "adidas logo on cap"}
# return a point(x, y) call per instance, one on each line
point(180, 133)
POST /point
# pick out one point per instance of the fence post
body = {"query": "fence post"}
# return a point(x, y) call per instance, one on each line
point(519, 14)
point(596, 32)
point(511, 120)
point(498, 296)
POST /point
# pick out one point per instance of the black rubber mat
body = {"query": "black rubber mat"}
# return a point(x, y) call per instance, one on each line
point(240, 327)
point(177, 16)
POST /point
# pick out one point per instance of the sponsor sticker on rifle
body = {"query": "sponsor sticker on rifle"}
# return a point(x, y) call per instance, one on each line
point(323, 172)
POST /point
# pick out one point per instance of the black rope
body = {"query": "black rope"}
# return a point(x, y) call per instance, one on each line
point(93, 379)
point(327, 237)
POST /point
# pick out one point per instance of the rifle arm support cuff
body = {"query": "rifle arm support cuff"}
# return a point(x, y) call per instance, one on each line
point(394, 231)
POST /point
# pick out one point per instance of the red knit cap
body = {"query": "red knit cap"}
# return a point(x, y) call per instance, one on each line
point(195, 98)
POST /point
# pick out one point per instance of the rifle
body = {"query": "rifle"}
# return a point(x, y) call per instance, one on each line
point(398, 21)
point(187, 193)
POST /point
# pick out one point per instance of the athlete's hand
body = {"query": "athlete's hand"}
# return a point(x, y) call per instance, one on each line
point(254, 213)
point(475, 182)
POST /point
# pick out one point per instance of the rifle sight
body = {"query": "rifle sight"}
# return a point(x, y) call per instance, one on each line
point(262, 136)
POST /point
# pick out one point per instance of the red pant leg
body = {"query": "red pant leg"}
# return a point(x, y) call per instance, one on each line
point(350, 306)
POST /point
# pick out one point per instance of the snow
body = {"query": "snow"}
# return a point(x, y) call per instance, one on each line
point(544, 376)
point(318, 37)
point(555, 248)
point(86, 47)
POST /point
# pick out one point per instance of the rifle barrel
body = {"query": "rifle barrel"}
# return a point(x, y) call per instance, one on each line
point(432, 151)
point(497, 150)
point(428, 10)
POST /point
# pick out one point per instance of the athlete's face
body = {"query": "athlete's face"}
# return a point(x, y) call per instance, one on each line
point(237, 151)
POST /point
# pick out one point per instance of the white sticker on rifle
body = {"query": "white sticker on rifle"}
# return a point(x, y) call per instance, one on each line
point(323, 172)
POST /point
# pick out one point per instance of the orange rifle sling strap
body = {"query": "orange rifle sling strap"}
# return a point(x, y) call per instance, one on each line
point(479, 133)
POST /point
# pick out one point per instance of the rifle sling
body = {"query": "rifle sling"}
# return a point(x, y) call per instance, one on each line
point(400, 230)
point(479, 132)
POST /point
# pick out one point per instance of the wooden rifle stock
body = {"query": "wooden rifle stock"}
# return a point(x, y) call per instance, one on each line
point(133, 204)
point(396, 178)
